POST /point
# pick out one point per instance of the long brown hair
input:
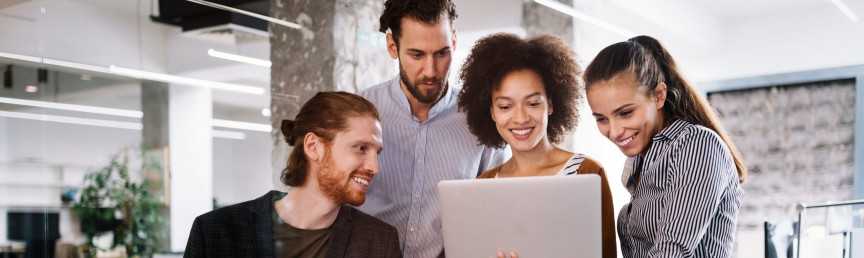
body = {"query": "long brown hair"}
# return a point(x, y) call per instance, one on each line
point(325, 114)
point(651, 64)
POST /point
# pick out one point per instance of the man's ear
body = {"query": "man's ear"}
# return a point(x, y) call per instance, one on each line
point(660, 95)
point(312, 146)
point(454, 41)
point(391, 46)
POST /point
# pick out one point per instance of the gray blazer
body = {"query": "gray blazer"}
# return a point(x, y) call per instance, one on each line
point(246, 230)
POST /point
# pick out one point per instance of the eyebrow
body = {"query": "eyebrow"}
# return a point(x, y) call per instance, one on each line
point(508, 98)
point(370, 143)
point(617, 110)
point(421, 51)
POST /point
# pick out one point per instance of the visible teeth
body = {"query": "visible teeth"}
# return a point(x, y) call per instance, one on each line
point(625, 141)
point(360, 180)
point(521, 132)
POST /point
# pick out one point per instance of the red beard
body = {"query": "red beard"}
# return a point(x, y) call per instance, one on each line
point(334, 186)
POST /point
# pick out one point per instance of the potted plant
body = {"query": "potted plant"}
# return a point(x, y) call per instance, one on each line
point(118, 199)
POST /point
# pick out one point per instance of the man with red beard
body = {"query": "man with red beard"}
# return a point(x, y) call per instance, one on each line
point(426, 137)
point(336, 138)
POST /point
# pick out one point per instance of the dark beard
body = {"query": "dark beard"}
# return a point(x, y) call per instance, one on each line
point(333, 186)
point(414, 89)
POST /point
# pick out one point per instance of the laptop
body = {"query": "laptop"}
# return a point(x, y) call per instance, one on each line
point(544, 216)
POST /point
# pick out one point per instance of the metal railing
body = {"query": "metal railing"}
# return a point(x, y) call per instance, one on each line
point(803, 207)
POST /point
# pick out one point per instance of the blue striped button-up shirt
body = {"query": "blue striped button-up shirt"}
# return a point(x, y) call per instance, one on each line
point(687, 201)
point(416, 157)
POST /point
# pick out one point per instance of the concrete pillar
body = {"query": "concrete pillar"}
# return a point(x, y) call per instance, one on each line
point(191, 159)
point(339, 48)
point(539, 19)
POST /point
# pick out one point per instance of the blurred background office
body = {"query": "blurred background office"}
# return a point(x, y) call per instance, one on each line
point(129, 118)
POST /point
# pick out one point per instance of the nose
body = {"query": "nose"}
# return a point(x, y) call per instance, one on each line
point(615, 130)
point(371, 164)
point(429, 68)
point(521, 115)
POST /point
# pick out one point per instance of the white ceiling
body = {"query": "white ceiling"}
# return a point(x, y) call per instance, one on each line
point(704, 23)
point(733, 9)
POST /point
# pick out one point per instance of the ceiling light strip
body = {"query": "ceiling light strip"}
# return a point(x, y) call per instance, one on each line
point(71, 107)
point(584, 17)
point(187, 81)
point(229, 135)
point(77, 66)
point(239, 58)
point(73, 120)
point(241, 125)
point(143, 75)
point(263, 17)
point(105, 123)
point(21, 57)
point(845, 9)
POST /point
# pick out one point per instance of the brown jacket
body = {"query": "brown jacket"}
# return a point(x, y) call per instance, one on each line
point(607, 213)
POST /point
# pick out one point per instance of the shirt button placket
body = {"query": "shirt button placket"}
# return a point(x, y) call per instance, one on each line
point(414, 213)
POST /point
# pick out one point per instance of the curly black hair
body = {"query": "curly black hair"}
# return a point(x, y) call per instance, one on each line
point(426, 11)
point(495, 56)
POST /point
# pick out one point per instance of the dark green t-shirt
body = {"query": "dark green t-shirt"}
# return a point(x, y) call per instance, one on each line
point(289, 241)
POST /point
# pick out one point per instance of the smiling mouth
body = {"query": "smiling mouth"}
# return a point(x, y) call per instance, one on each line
point(624, 142)
point(362, 181)
point(522, 132)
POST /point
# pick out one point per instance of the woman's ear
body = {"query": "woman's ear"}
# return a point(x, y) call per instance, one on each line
point(312, 146)
point(660, 95)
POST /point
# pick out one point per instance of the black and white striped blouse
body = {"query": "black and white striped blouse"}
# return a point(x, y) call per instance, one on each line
point(687, 201)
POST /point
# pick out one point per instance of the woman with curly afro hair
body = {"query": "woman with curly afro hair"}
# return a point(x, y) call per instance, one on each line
point(526, 93)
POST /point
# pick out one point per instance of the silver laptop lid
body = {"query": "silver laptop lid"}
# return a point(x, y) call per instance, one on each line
point(546, 216)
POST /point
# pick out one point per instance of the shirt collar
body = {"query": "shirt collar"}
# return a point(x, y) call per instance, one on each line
point(396, 92)
point(672, 131)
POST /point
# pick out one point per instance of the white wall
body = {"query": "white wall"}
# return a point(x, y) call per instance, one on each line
point(810, 39)
point(241, 168)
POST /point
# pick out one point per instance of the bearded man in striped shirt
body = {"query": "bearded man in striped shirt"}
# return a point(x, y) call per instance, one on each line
point(426, 138)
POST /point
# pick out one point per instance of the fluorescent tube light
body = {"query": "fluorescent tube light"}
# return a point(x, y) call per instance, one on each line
point(845, 9)
point(239, 58)
point(241, 125)
point(186, 81)
point(77, 65)
point(105, 123)
point(73, 120)
point(263, 17)
point(584, 17)
point(55, 62)
point(21, 57)
point(229, 135)
point(143, 75)
point(71, 107)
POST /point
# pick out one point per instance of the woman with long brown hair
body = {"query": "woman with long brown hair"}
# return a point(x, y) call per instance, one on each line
point(686, 174)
